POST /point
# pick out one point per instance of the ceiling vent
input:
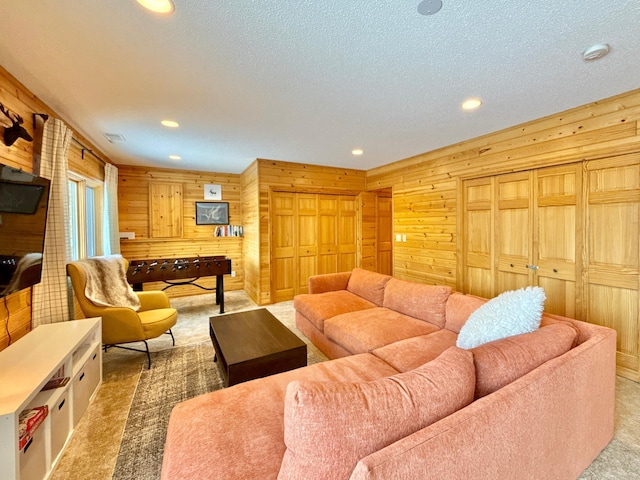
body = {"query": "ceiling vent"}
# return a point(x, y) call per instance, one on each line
point(114, 137)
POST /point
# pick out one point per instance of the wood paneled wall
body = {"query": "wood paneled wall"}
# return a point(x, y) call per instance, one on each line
point(251, 225)
point(134, 216)
point(272, 176)
point(19, 99)
point(426, 188)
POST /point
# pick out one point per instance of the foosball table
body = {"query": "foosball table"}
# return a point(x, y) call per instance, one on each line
point(181, 271)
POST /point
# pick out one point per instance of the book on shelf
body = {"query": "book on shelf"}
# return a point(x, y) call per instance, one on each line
point(29, 421)
point(56, 382)
point(228, 231)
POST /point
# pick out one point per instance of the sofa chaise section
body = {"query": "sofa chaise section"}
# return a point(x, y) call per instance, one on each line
point(238, 432)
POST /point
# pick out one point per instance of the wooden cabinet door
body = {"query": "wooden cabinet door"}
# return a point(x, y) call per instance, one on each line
point(384, 235)
point(328, 234)
point(477, 237)
point(306, 245)
point(347, 233)
point(310, 234)
point(613, 269)
point(165, 206)
point(513, 232)
point(283, 237)
point(525, 229)
point(558, 238)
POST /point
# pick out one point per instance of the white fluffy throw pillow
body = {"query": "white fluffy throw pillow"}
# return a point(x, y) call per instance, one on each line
point(510, 313)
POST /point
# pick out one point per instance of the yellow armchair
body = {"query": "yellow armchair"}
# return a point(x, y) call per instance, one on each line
point(123, 324)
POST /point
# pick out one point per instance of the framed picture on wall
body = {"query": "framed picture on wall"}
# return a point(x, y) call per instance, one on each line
point(212, 213)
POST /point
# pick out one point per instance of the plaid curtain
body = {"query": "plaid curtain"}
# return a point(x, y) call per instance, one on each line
point(50, 296)
point(110, 231)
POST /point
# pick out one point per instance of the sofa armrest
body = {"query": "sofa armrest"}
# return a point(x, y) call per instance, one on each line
point(152, 300)
point(329, 282)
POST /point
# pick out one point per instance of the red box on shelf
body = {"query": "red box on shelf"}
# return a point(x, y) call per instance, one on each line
point(29, 421)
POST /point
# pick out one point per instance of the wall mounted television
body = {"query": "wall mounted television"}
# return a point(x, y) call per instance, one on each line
point(24, 199)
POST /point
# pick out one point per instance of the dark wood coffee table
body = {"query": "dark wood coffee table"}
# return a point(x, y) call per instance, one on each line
point(254, 344)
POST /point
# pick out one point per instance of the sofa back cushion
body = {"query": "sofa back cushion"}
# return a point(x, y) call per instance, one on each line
point(425, 302)
point(552, 319)
point(501, 362)
point(330, 426)
point(459, 307)
point(368, 285)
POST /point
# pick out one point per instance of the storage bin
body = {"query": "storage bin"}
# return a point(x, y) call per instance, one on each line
point(60, 424)
point(85, 383)
point(33, 459)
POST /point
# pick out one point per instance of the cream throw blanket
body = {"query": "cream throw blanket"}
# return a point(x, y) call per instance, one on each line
point(107, 284)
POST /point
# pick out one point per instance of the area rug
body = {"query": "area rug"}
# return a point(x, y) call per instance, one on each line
point(175, 375)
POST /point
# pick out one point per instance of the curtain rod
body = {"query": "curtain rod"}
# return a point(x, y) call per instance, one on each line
point(86, 149)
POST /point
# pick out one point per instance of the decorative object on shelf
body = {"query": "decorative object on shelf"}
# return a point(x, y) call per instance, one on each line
point(29, 421)
point(16, 130)
point(228, 231)
point(212, 191)
point(212, 213)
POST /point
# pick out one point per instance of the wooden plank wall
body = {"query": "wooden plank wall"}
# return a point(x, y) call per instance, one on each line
point(276, 175)
point(134, 215)
point(252, 235)
point(21, 100)
point(426, 188)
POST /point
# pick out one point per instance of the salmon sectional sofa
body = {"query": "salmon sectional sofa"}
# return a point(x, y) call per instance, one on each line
point(400, 400)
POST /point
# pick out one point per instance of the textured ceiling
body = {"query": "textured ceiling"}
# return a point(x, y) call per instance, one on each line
point(308, 81)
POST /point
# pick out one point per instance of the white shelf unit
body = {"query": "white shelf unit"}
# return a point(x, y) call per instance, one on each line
point(25, 367)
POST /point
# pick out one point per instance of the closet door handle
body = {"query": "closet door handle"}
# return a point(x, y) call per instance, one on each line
point(533, 267)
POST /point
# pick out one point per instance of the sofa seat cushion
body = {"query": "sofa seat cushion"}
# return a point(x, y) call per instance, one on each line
point(368, 285)
point(366, 330)
point(500, 362)
point(246, 422)
point(330, 426)
point(425, 302)
point(321, 306)
point(408, 354)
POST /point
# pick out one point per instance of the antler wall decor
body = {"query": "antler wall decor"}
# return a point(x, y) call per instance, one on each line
point(16, 130)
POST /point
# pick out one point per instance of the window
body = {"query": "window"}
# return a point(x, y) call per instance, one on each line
point(85, 207)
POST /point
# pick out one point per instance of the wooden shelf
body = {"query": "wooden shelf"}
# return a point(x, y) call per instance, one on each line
point(25, 367)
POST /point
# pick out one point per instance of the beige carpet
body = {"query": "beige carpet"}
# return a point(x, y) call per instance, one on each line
point(92, 453)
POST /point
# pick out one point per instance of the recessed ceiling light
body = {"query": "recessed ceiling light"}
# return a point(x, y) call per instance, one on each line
point(175, 157)
point(170, 123)
point(357, 151)
point(164, 7)
point(471, 104)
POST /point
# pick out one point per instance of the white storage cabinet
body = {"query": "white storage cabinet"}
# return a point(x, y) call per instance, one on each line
point(25, 367)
